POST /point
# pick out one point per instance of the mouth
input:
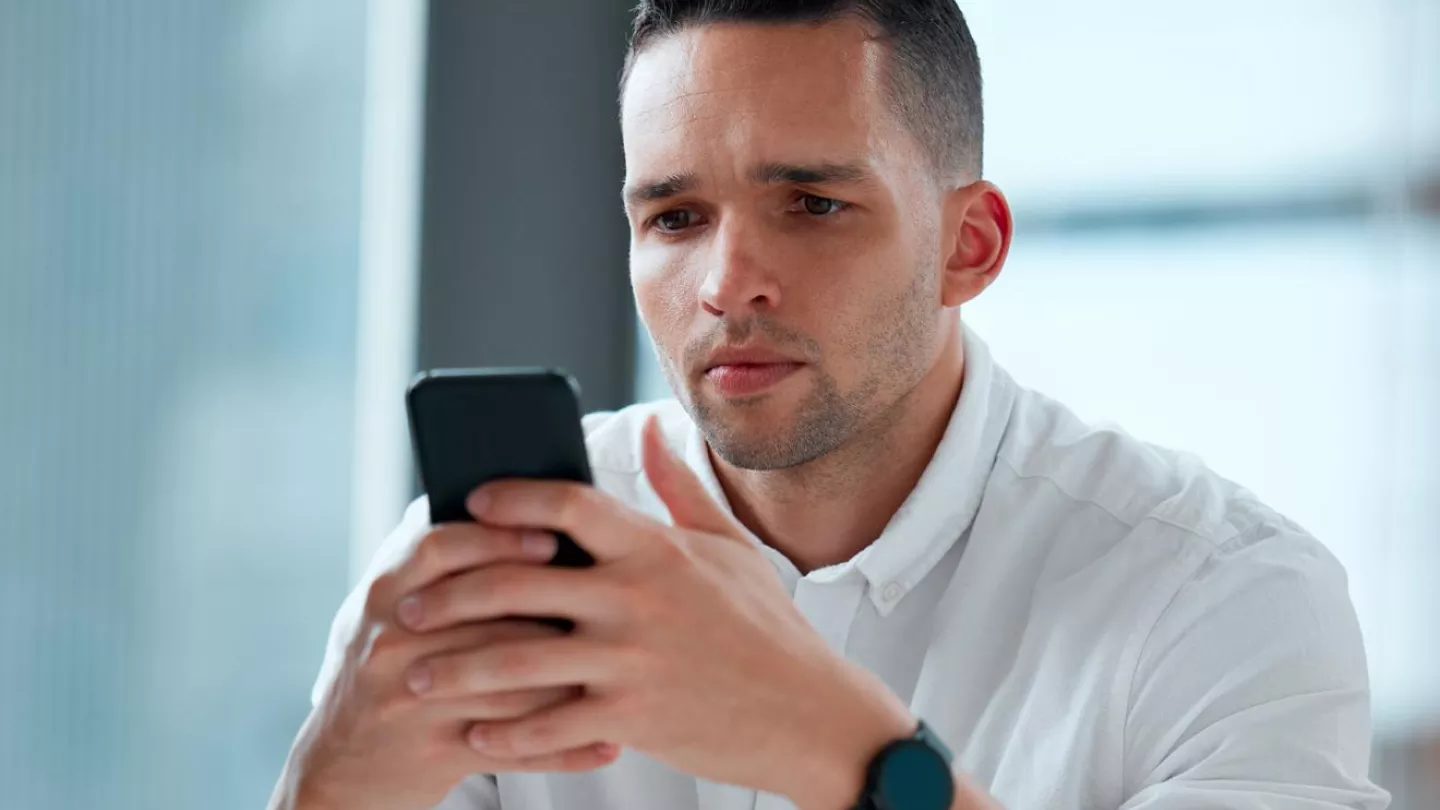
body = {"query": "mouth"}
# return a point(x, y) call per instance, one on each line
point(745, 379)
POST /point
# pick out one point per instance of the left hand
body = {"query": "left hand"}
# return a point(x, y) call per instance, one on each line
point(686, 642)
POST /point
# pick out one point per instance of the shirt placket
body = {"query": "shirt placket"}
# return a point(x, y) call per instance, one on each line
point(830, 607)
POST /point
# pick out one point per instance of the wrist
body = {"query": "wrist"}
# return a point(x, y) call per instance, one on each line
point(298, 789)
point(290, 795)
point(310, 797)
point(836, 757)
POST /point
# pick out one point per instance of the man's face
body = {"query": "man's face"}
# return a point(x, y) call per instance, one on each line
point(780, 211)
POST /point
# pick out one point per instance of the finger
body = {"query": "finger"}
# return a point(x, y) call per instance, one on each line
point(478, 634)
point(586, 758)
point(605, 527)
point(574, 724)
point(512, 666)
point(507, 705)
point(507, 590)
point(453, 547)
point(680, 489)
point(388, 654)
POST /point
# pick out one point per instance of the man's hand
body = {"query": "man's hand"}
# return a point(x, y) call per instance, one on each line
point(687, 644)
point(371, 744)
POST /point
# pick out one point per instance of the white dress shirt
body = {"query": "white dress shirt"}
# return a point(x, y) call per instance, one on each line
point(1087, 620)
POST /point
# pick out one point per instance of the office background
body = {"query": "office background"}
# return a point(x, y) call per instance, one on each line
point(231, 230)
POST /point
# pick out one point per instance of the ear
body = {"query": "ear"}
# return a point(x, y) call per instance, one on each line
point(978, 228)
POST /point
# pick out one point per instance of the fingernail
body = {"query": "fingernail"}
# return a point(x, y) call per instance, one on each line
point(477, 502)
point(418, 679)
point(538, 545)
point(410, 613)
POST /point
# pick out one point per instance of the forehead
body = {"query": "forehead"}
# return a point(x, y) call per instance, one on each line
point(755, 93)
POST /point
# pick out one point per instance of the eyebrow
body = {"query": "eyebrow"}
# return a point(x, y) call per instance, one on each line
point(768, 174)
point(672, 186)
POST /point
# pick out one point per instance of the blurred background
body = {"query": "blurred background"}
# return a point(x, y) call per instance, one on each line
point(230, 231)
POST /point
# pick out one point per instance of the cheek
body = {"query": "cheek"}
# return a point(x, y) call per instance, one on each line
point(662, 290)
point(873, 299)
point(844, 278)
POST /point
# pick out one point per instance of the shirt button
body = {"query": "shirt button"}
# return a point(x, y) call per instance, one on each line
point(892, 592)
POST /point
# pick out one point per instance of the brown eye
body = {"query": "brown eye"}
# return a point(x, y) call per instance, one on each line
point(821, 206)
point(673, 221)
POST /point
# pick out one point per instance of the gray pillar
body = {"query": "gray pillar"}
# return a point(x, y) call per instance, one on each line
point(523, 240)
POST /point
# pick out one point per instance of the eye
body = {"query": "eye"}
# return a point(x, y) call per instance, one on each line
point(674, 221)
point(821, 206)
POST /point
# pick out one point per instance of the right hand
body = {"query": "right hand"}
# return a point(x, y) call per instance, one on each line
point(371, 744)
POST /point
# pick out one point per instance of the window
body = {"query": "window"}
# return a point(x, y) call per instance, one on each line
point(180, 197)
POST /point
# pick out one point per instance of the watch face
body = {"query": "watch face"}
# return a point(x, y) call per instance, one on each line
point(914, 777)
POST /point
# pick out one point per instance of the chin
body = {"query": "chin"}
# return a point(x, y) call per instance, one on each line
point(743, 432)
point(763, 433)
point(748, 449)
point(753, 417)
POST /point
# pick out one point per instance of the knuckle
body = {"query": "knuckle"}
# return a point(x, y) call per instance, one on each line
point(673, 551)
point(632, 661)
point(506, 543)
point(378, 596)
point(567, 505)
point(631, 665)
point(631, 703)
point(485, 544)
point(579, 759)
point(392, 704)
point(539, 734)
point(430, 553)
point(575, 502)
point(640, 606)
point(386, 646)
point(449, 675)
point(616, 589)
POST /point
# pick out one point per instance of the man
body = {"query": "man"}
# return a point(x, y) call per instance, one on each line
point(852, 521)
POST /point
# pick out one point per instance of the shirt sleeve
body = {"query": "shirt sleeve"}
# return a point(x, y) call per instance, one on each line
point(1251, 690)
point(478, 792)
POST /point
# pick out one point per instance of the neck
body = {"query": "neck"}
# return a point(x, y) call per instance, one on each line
point(828, 510)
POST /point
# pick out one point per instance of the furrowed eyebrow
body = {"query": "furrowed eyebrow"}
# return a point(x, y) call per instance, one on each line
point(764, 174)
point(654, 190)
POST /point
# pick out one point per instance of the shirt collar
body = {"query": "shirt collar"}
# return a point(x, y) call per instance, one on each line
point(945, 499)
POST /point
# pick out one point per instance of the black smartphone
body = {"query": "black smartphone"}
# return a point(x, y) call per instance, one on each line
point(471, 426)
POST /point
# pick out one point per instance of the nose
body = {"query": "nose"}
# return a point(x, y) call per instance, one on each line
point(738, 282)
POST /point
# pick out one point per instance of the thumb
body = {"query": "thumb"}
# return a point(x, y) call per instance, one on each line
point(679, 488)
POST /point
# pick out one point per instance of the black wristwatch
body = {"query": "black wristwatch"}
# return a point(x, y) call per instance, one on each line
point(912, 773)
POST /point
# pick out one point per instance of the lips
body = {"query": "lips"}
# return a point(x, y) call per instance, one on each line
point(749, 379)
point(747, 357)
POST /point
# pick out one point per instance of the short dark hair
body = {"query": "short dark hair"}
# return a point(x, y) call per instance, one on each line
point(935, 77)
